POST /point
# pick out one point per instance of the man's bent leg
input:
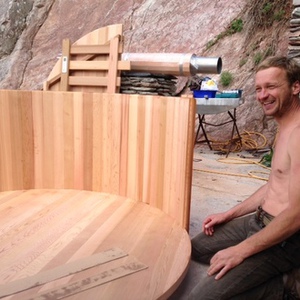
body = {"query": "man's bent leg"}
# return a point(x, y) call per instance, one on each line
point(260, 273)
point(270, 290)
point(225, 235)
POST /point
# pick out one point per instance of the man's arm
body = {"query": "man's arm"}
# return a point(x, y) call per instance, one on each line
point(250, 204)
point(247, 206)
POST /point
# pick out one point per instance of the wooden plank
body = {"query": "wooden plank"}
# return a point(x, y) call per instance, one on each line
point(97, 65)
point(61, 271)
point(52, 81)
point(90, 282)
point(27, 138)
point(6, 158)
point(184, 218)
point(90, 81)
point(92, 49)
point(46, 85)
point(65, 60)
point(113, 65)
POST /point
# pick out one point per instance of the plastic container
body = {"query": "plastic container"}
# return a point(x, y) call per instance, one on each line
point(204, 94)
point(229, 94)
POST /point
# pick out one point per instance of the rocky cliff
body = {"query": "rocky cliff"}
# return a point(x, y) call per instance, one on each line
point(31, 34)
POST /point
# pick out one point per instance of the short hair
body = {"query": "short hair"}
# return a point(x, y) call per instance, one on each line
point(290, 65)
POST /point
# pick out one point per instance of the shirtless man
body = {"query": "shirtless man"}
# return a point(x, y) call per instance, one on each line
point(250, 246)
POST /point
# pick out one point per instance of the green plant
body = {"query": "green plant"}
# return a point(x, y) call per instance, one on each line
point(258, 57)
point(279, 15)
point(226, 78)
point(267, 7)
point(242, 62)
point(215, 40)
point(267, 159)
point(236, 26)
point(210, 43)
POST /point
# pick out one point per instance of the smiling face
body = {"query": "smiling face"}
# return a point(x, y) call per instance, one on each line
point(274, 92)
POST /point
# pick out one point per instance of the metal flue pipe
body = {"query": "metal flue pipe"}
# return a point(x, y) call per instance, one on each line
point(178, 64)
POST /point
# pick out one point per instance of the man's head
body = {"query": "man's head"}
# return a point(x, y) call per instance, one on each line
point(289, 65)
point(277, 84)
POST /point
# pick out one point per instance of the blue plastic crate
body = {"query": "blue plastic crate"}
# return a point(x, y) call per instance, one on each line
point(204, 94)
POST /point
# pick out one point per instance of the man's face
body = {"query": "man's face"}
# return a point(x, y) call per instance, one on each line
point(273, 91)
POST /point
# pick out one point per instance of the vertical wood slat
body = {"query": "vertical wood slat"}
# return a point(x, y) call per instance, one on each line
point(16, 140)
point(113, 65)
point(65, 65)
point(136, 146)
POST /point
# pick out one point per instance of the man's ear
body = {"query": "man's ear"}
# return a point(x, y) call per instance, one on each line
point(296, 87)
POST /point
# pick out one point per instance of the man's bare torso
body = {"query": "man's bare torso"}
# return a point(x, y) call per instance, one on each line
point(276, 197)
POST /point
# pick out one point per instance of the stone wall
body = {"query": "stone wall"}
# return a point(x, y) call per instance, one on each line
point(294, 38)
point(148, 84)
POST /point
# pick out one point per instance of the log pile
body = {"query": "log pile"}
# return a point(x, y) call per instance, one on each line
point(148, 84)
point(294, 38)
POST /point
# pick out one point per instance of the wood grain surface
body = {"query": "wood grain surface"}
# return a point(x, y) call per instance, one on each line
point(43, 229)
point(140, 147)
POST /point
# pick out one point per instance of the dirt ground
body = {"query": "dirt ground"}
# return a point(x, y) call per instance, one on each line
point(219, 182)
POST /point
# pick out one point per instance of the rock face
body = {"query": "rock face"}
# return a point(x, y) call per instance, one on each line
point(31, 34)
point(13, 23)
point(20, 23)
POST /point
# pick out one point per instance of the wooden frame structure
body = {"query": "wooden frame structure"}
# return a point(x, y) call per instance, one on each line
point(136, 146)
point(93, 63)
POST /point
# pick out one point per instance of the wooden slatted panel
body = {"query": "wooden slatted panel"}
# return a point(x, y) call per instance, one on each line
point(96, 38)
point(136, 146)
point(93, 63)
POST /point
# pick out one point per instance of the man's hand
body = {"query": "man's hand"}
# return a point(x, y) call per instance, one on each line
point(211, 221)
point(223, 261)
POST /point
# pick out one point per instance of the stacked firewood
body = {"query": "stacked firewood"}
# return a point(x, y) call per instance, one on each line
point(294, 39)
point(148, 84)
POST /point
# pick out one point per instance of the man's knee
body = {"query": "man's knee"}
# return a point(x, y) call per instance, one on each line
point(199, 251)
